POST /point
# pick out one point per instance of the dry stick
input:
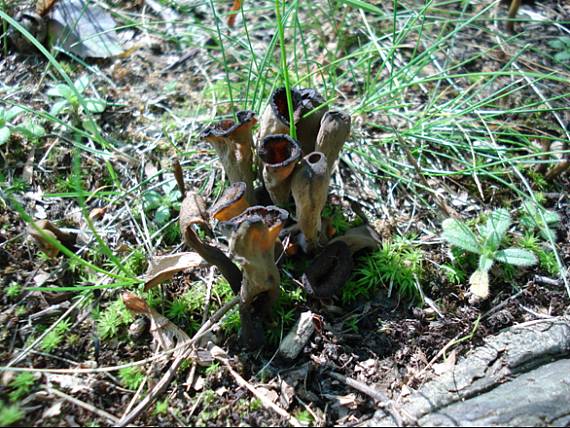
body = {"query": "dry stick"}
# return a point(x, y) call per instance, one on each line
point(84, 405)
point(383, 401)
point(179, 176)
point(266, 402)
point(171, 372)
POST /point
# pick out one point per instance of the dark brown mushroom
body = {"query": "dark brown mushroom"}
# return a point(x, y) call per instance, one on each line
point(308, 109)
point(279, 155)
point(329, 271)
point(233, 142)
point(333, 133)
point(193, 213)
point(252, 242)
point(309, 186)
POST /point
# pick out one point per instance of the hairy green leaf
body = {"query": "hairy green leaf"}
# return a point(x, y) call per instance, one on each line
point(496, 227)
point(516, 257)
point(4, 135)
point(458, 234)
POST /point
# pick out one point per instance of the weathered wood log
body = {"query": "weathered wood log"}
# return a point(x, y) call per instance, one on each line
point(519, 377)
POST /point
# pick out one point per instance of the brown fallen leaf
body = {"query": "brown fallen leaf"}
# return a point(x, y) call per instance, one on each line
point(232, 18)
point(164, 332)
point(97, 213)
point(49, 229)
point(163, 268)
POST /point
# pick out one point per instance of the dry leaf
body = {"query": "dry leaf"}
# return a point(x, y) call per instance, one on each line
point(86, 30)
point(163, 268)
point(97, 213)
point(47, 228)
point(44, 6)
point(53, 410)
point(232, 18)
point(164, 332)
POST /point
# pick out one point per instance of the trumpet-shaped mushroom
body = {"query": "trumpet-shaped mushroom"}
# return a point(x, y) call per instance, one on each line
point(233, 143)
point(333, 133)
point(231, 204)
point(330, 270)
point(309, 187)
point(193, 213)
point(279, 155)
point(308, 109)
point(252, 242)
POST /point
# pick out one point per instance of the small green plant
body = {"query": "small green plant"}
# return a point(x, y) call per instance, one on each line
point(562, 45)
point(55, 337)
point(231, 322)
point(163, 205)
point(131, 377)
point(67, 99)
point(161, 407)
point(532, 220)
point(10, 414)
point(486, 244)
point(28, 128)
point(21, 386)
point(212, 369)
point(13, 290)
point(396, 263)
point(546, 257)
point(112, 318)
point(304, 417)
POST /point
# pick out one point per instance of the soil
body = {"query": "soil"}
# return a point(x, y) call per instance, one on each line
point(383, 340)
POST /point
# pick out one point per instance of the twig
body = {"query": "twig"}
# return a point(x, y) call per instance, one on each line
point(382, 400)
point(84, 405)
point(179, 176)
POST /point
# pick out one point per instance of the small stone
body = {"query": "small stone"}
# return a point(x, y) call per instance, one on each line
point(298, 337)
point(138, 328)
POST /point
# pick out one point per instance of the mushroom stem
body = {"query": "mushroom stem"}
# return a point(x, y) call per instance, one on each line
point(334, 131)
point(233, 143)
point(279, 155)
point(193, 213)
point(309, 187)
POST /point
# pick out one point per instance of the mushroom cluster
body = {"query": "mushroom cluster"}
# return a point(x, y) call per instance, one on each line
point(293, 176)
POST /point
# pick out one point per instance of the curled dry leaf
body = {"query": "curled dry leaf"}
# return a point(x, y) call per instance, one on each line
point(164, 332)
point(163, 268)
point(86, 30)
point(359, 238)
point(298, 336)
point(47, 228)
